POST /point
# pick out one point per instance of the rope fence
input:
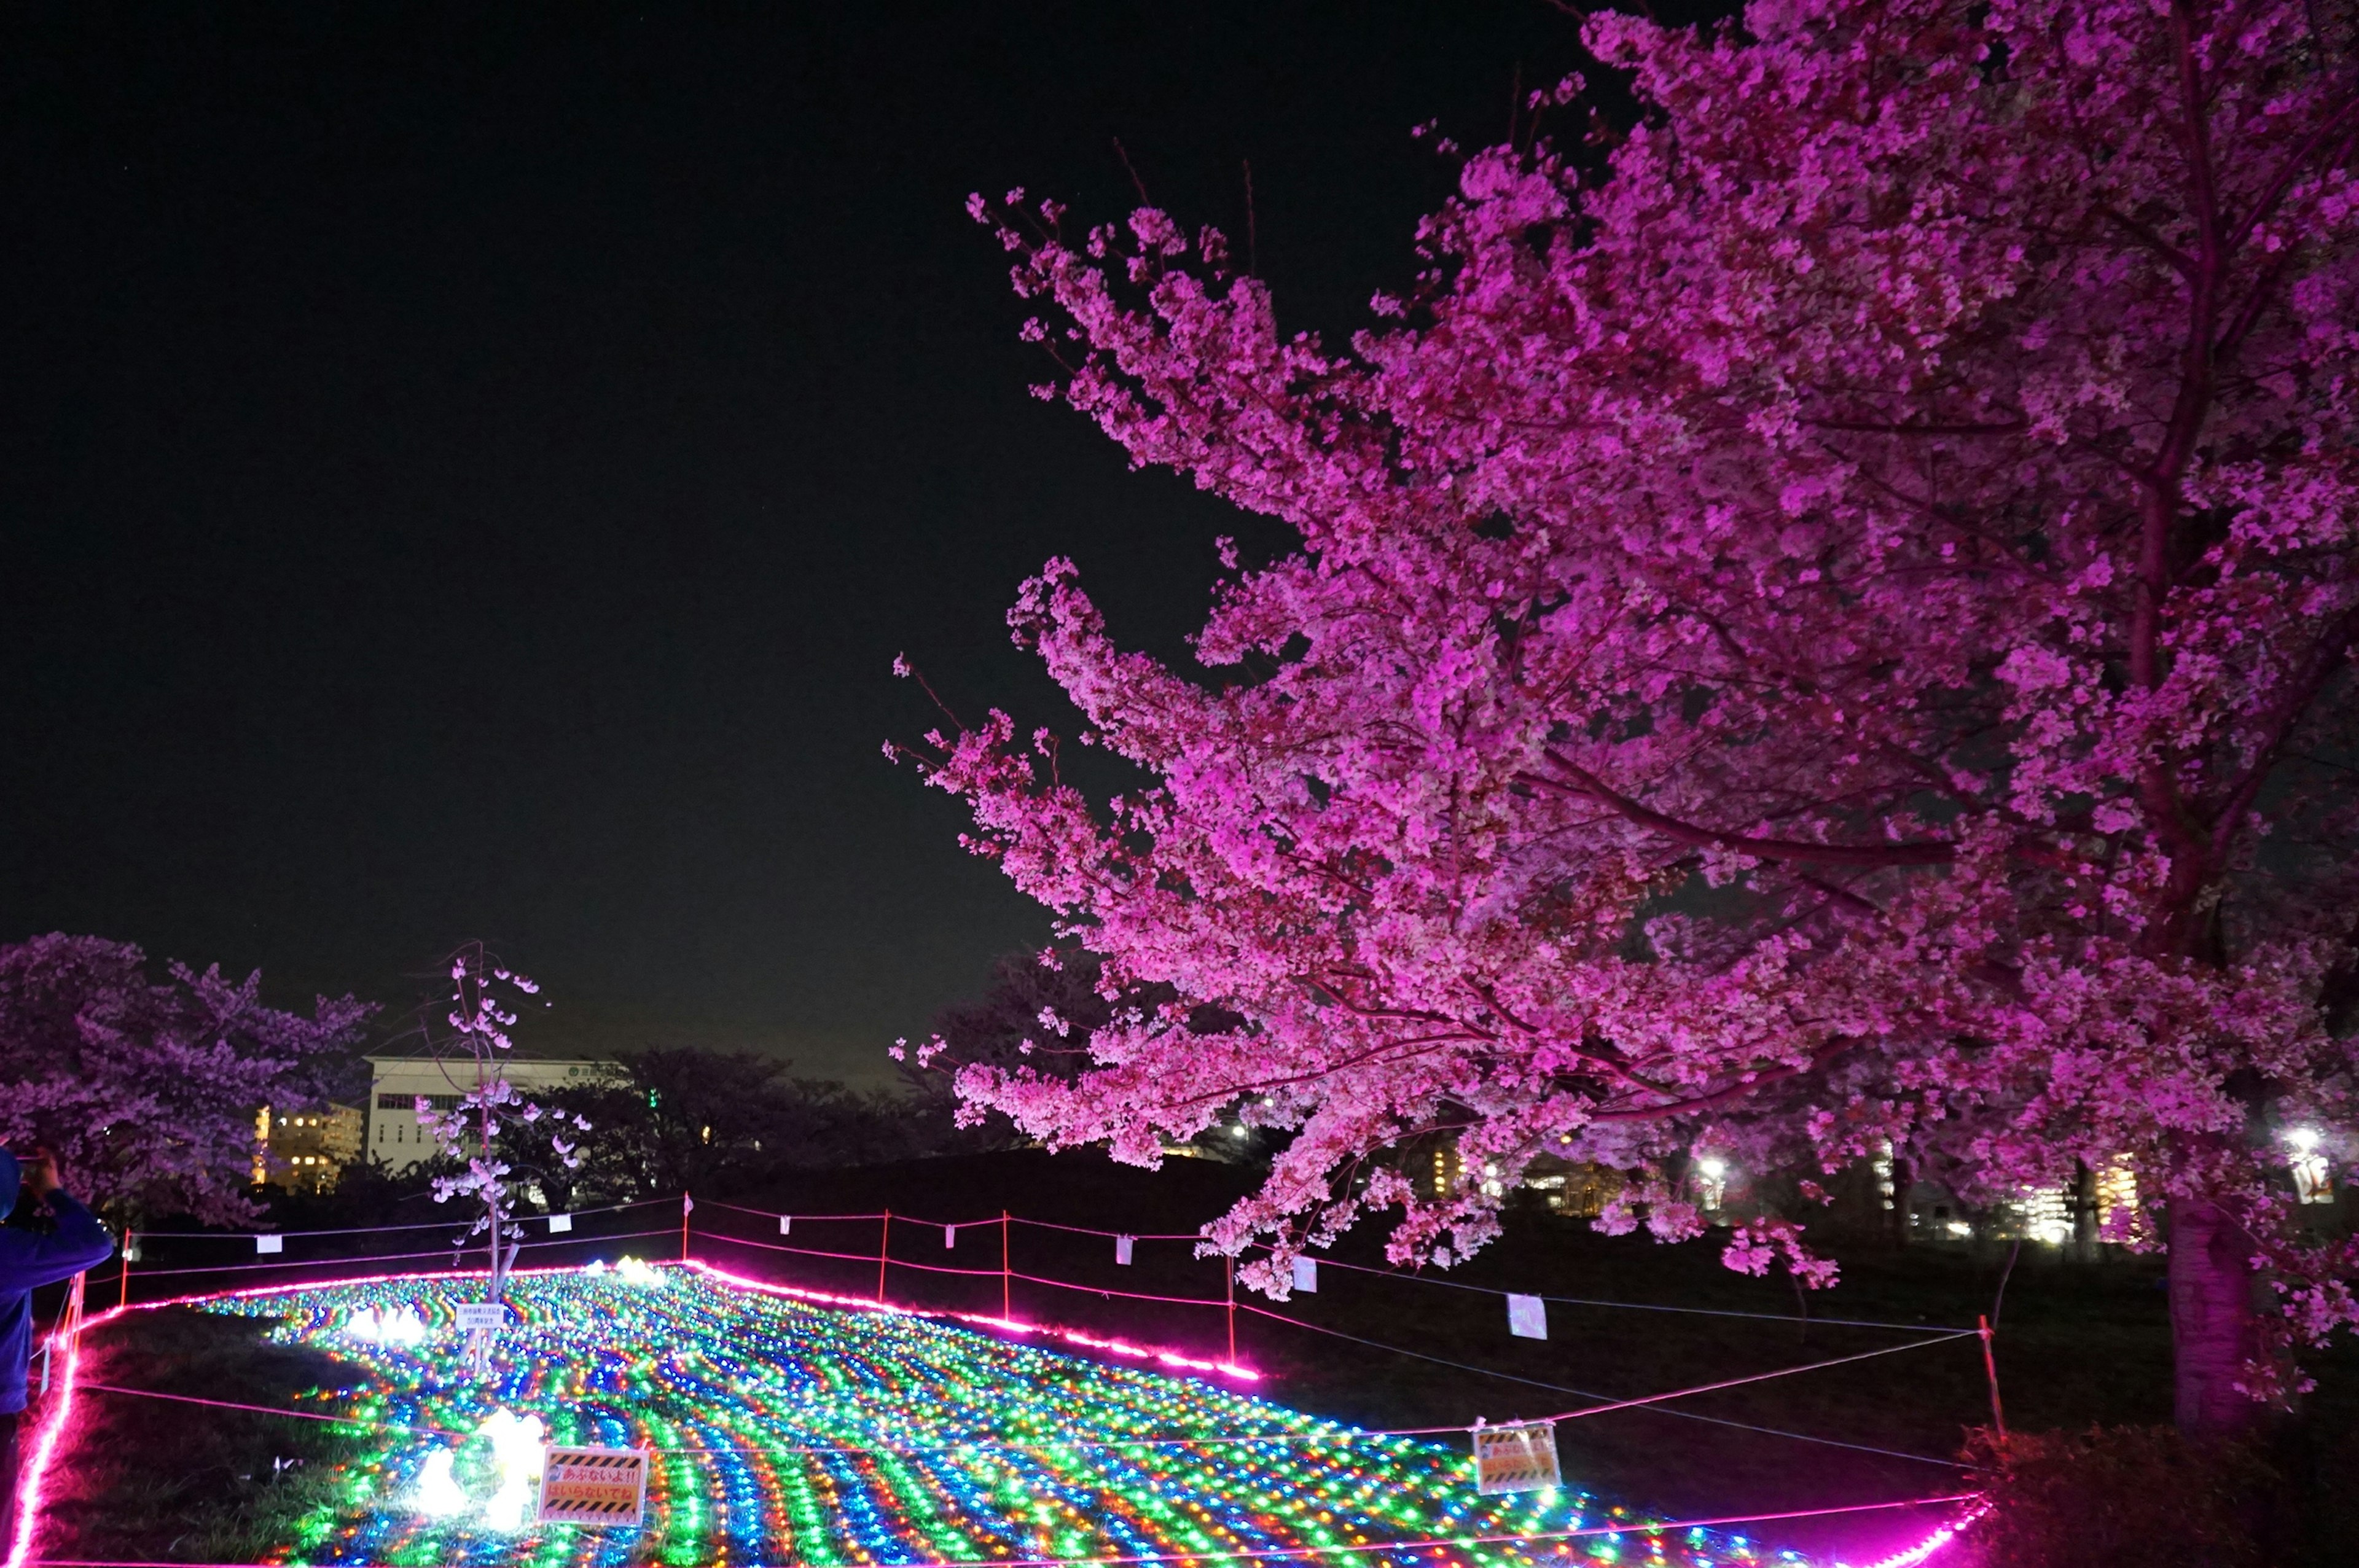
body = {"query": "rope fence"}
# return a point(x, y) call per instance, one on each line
point(559, 1232)
point(888, 1258)
point(897, 1234)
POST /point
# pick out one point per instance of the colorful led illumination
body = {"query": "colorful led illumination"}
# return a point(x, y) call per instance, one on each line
point(790, 1431)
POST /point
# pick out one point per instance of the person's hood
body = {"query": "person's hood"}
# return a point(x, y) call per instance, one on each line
point(11, 1178)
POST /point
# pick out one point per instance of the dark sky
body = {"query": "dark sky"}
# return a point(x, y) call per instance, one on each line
point(466, 469)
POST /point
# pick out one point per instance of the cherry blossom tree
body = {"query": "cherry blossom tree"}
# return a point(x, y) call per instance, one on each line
point(147, 1090)
point(471, 1052)
point(1823, 620)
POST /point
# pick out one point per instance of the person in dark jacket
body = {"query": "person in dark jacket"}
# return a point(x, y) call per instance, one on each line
point(47, 1237)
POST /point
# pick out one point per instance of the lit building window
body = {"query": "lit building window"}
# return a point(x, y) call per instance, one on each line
point(2044, 1214)
point(1711, 1183)
point(2313, 1177)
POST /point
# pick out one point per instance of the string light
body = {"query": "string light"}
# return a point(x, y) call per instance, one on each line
point(789, 1432)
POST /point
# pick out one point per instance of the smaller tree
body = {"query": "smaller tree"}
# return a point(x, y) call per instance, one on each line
point(148, 1090)
point(476, 1047)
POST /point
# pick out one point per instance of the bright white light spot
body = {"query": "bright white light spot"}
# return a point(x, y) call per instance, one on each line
point(516, 1458)
point(437, 1494)
point(393, 1326)
point(2303, 1138)
point(1713, 1169)
point(631, 1271)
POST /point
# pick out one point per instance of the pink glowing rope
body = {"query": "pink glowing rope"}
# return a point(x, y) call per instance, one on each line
point(1935, 1541)
point(1005, 1325)
point(29, 1485)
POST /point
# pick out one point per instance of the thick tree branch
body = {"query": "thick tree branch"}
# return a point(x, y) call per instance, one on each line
point(1748, 1087)
point(1587, 785)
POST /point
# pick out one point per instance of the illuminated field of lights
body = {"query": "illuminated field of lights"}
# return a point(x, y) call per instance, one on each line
point(792, 1433)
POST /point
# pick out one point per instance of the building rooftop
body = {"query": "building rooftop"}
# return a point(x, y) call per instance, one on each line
point(421, 1053)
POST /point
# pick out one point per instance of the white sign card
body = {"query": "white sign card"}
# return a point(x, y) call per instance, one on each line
point(558, 1224)
point(1122, 1246)
point(593, 1486)
point(1306, 1275)
point(950, 1237)
point(270, 1244)
point(474, 1315)
point(1526, 1317)
point(1516, 1458)
point(786, 1225)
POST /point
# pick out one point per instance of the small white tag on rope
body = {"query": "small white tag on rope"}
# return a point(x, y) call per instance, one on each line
point(270, 1244)
point(1306, 1275)
point(1122, 1246)
point(786, 1225)
point(1526, 1317)
point(950, 1237)
point(558, 1224)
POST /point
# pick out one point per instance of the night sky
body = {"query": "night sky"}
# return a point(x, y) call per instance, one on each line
point(466, 471)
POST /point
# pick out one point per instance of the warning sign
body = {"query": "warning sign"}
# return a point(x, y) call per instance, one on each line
point(473, 1315)
point(1517, 1458)
point(595, 1486)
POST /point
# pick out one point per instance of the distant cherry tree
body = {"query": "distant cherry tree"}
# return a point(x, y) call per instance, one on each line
point(147, 1090)
point(1823, 622)
point(472, 1045)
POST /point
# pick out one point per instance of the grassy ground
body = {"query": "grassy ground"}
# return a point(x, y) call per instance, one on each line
point(2077, 1345)
point(144, 1480)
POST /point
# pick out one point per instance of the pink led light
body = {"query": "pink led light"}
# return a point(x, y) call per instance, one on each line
point(1934, 1542)
point(28, 1488)
point(1070, 1335)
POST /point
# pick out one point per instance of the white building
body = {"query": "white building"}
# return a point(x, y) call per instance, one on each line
point(397, 1081)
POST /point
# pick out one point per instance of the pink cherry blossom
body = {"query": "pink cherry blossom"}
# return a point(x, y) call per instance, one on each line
point(1824, 621)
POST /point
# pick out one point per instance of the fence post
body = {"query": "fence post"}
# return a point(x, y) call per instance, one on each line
point(884, 1252)
point(1007, 1273)
point(1229, 1271)
point(687, 1207)
point(123, 1280)
point(1990, 1365)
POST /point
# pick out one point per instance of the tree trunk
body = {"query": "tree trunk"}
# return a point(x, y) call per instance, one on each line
point(2213, 1329)
point(2084, 1213)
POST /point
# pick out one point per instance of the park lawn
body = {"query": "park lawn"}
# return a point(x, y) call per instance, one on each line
point(787, 1431)
point(2077, 1344)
